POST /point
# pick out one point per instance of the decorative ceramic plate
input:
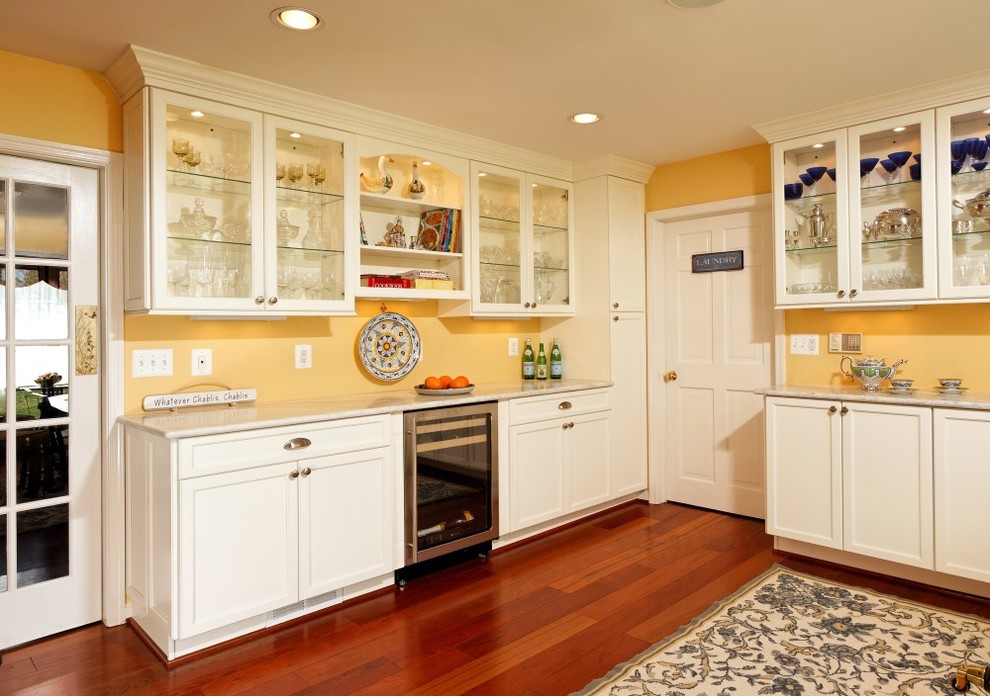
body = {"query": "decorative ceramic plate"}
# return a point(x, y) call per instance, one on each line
point(389, 346)
point(444, 392)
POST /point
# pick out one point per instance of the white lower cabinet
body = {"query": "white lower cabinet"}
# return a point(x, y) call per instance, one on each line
point(851, 476)
point(264, 521)
point(559, 454)
point(962, 478)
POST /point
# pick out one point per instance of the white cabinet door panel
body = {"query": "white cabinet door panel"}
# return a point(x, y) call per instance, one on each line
point(587, 456)
point(537, 483)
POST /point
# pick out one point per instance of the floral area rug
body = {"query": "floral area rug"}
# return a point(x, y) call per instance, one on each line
point(790, 633)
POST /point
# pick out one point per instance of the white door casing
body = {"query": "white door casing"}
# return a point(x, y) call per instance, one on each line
point(53, 462)
point(715, 332)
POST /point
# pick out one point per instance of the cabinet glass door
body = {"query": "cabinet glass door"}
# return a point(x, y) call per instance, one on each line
point(810, 217)
point(963, 179)
point(306, 216)
point(551, 245)
point(500, 239)
point(892, 210)
point(209, 210)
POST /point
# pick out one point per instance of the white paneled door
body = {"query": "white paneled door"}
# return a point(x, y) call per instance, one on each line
point(717, 333)
point(50, 494)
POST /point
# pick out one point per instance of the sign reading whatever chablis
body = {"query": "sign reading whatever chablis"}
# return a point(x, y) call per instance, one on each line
point(169, 402)
point(717, 261)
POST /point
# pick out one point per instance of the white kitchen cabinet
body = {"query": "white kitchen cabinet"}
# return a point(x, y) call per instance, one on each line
point(962, 439)
point(963, 216)
point(629, 421)
point(851, 476)
point(523, 241)
point(626, 245)
point(559, 449)
point(265, 520)
point(859, 234)
point(414, 241)
point(235, 212)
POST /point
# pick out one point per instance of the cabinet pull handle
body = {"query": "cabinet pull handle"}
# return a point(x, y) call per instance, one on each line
point(853, 293)
point(832, 409)
point(526, 305)
point(565, 426)
point(564, 405)
point(297, 443)
point(615, 317)
point(307, 471)
point(260, 299)
point(272, 300)
point(294, 474)
point(841, 293)
point(844, 411)
point(615, 305)
point(534, 305)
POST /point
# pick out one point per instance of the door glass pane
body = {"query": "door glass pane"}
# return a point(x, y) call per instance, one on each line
point(3, 553)
point(809, 219)
point(42, 220)
point(550, 252)
point(41, 457)
point(41, 382)
point(500, 274)
point(890, 206)
point(42, 544)
point(3, 475)
point(3, 216)
point(971, 204)
point(41, 299)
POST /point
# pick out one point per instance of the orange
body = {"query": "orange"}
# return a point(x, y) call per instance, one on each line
point(433, 383)
point(459, 382)
point(444, 381)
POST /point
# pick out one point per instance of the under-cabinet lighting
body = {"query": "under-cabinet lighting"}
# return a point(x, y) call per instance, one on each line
point(297, 18)
point(585, 118)
point(196, 114)
point(482, 173)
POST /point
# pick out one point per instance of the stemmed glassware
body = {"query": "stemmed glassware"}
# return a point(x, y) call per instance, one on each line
point(295, 173)
point(180, 148)
point(816, 174)
point(899, 159)
point(866, 166)
point(318, 173)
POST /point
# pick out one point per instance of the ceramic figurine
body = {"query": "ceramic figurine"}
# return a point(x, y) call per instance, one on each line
point(417, 189)
point(381, 183)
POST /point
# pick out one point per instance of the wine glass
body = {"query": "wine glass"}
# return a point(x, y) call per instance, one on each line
point(978, 153)
point(286, 280)
point(178, 277)
point(203, 274)
point(890, 168)
point(899, 159)
point(816, 174)
point(318, 173)
point(279, 174)
point(808, 182)
point(310, 282)
point(295, 173)
point(180, 148)
point(866, 166)
point(958, 149)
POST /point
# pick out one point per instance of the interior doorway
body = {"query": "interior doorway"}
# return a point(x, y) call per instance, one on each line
point(712, 334)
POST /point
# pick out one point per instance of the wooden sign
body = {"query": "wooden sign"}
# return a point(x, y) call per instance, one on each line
point(717, 261)
point(170, 402)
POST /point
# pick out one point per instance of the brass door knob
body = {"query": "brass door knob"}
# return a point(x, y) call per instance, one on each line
point(670, 376)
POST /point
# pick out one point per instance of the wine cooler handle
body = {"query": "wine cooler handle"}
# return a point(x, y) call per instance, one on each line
point(297, 443)
point(564, 405)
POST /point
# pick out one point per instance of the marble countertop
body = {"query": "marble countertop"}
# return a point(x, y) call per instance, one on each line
point(978, 401)
point(215, 420)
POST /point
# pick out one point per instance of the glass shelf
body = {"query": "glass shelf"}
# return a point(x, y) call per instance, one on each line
point(195, 182)
point(549, 229)
point(294, 196)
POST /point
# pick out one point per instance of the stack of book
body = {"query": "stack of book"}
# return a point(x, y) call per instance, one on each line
point(429, 279)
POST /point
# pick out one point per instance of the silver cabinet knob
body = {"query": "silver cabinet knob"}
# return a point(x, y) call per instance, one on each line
point(832, 409)
point(841, 293)
point(615, 317)
point(272, 300)
point(526, 305)
point(534, 305)
point(294, 474)
point(260, 299)
point(853, 293)
point(615, 305)
point(844, 411)
point(307, 471)
point(297, 443)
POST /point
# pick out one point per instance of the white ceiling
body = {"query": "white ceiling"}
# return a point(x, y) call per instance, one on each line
point(670, 83)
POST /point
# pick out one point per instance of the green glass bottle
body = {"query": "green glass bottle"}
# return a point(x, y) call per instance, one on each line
point(528, 361)
point(541, 363)
point(556, 362)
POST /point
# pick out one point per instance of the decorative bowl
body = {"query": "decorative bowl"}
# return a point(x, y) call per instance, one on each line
point(950, 382)
point(901, 383)
point(978, 166)
point(792, 191)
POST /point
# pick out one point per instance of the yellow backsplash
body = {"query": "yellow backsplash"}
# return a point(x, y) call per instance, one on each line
point(936, 340)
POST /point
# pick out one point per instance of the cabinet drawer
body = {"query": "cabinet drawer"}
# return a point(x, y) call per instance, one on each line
point(213, 454)
point(540, 408)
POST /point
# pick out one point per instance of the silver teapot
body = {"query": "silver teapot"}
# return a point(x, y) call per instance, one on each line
point(869, 372)
point(820, 225)
point(896, 222)
point(978, 206)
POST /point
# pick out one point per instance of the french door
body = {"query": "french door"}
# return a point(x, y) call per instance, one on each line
point(50, 492)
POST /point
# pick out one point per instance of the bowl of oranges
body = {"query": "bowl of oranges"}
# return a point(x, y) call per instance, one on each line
point(445, 385)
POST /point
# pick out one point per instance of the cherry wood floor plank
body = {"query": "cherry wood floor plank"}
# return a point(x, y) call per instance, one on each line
point(542, 618)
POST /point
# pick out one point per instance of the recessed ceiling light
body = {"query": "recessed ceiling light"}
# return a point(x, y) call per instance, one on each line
point(295, 135)
point(818, 146)
point(693, 4)
point(585, 118)
point(900, 129)
point(196, 114)
point(297, 18)
point(482, 173)
point(426, 163)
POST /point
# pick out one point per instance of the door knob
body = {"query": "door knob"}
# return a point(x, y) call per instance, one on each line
point(670, 376)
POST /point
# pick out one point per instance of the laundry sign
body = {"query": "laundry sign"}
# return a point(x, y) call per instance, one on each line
point(717, 261)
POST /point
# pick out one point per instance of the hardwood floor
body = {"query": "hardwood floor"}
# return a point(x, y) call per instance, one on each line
point(539, 619)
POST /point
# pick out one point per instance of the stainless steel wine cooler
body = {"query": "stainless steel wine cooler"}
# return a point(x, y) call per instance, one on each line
point(451, 480)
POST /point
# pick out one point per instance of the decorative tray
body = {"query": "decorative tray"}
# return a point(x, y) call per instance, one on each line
point(443, 392)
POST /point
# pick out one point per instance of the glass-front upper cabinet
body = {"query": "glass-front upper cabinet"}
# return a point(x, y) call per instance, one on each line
point(964, 199)
point(246, 212)
point(892, 206)
point(811, 219)
point(524, 243)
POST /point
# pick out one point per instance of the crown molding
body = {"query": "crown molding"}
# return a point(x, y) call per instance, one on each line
point(139, 67)
point(928, 96)
point(613, 165)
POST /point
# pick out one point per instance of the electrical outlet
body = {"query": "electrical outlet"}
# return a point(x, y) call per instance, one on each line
point(151, 363)
point(513, 346)
point(304, 357)
point(202, 362)
point(804, 344)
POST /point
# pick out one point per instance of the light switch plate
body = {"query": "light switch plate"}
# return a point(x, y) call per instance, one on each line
point(804, 344)
point(151, 363)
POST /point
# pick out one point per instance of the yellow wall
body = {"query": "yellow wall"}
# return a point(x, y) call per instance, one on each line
point(261, 354)
point(936, 340)
point(57, 103)
point(717, 177)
